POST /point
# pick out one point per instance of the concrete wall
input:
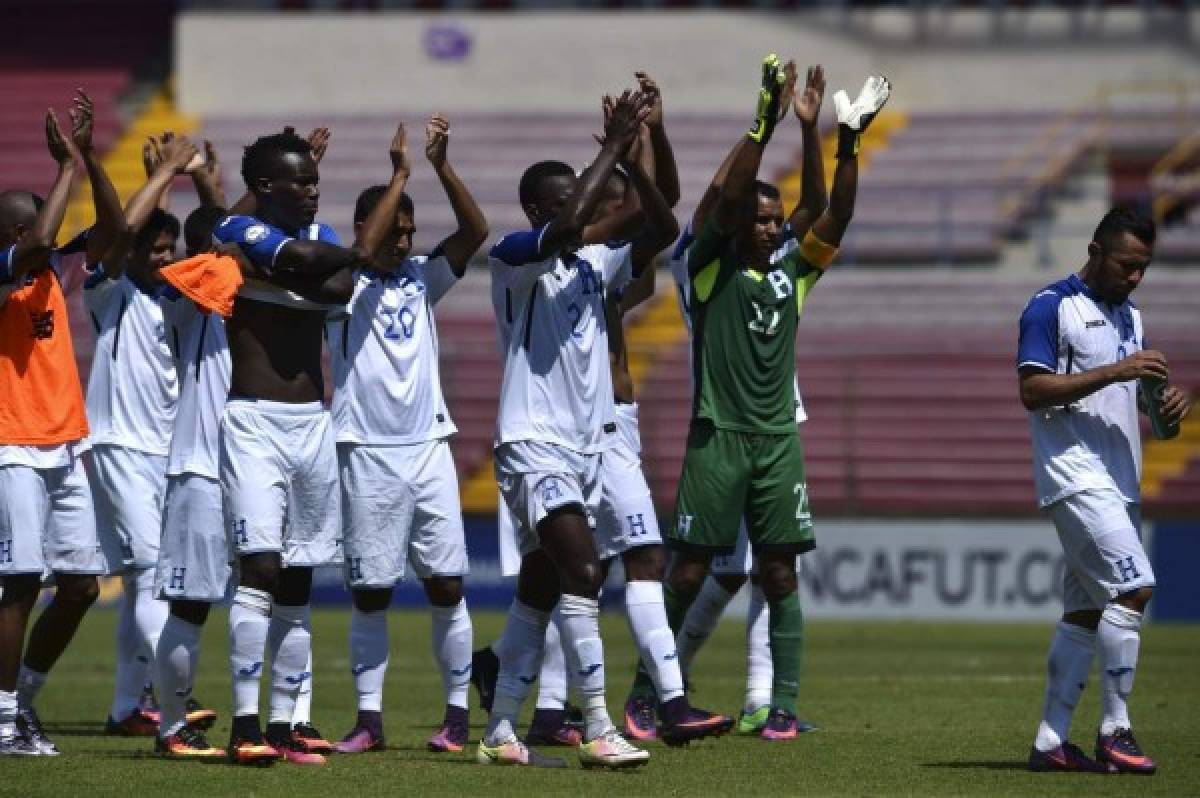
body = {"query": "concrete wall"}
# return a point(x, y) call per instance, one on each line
point(355, 63)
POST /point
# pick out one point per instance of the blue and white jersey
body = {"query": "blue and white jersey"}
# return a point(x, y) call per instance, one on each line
point(678, 264)
point(1092, 443)
point(550, 322)
point(261, 244)
point(387, 385)
point(133, 388)
point(205, 370)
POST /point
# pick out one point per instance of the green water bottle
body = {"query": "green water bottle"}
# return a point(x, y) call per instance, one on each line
point(1153, 389)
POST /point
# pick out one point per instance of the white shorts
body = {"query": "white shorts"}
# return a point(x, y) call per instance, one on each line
point(537, 478)
point(47, 521)
point(280, 482)
point(400, 503)
point(626, 517)
point(195, 559)
point(1102, 547)
point(130, 488)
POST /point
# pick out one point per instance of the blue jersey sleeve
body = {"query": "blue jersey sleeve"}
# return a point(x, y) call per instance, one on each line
point(327, 234)
point(259, 241)
point(1037, 346)
point(6, 265)
point(517, 249)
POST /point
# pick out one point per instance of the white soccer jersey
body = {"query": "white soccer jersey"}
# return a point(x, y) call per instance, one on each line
point(678, 264)
point(557, 385)
point(1093, 443)
point(387, 385)
point(204, 367)
point(133, 390)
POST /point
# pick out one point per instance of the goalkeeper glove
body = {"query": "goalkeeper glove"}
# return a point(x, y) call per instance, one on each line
point(767, 113)
point(853, 118)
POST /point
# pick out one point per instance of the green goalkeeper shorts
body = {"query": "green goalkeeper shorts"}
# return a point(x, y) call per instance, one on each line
point(729, 476)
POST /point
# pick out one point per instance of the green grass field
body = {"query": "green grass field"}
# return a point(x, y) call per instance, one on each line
point(904, 708)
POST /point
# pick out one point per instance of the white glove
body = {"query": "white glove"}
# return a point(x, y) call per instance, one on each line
point(858, 115)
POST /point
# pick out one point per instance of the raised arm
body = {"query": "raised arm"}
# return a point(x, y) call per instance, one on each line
point(206, 178)
point(110, 220)
point(176, 153)
point(619, 132)
point(813, 197)
point(739, 182)
point(472, 227)
point(853, 120)
point(375, 228)
point(33, 251)
point(659, 227)
point(666, 173)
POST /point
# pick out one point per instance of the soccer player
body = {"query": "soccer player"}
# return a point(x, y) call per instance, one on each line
point(555, 422)
point(48, 526)
point(1079, 357)
point(730, 572)
point(743, 456)
point(131, 400)
point(277, 462)
point(400, 500)
point(193, 568)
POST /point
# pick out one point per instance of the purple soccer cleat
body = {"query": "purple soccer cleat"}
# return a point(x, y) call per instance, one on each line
point(640, 720)
point(695, 724)
point(452, 737)
point(550, 727)
point(1066, 758)
point(1122, 751)
point(360, 740)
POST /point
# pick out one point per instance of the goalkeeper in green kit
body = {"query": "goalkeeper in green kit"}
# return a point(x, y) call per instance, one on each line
point(744, 459)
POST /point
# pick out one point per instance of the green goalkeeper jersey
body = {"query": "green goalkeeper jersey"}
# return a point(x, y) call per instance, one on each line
point(744, 332)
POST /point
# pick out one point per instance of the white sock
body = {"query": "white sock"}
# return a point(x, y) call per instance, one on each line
point(519, 650)
point(585, 659)
point(29, 684)
point(701, 619)
point(552, 681)
point(8, 714)
point(131, 669)
point(652, 634)
point(1067, 668)
point(369, 648)
point(759, 670)
point(248, 624)
point(175, 670)
point(289, 640)
point(151, 615)
point(452, 638)
point(303, 711)
point(1118, 638)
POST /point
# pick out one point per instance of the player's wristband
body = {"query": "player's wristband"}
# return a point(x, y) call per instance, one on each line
point(849, 141)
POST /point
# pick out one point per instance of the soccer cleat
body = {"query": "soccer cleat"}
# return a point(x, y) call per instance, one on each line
point(1068, 758)
point(360, 740)
point(611, 750)
point(17, 745)
point(698, 724)
point(451, 738)
point(307, 736)
point(136, 724)
point(187, 743)
point(550, 727)
point(29, 726)
point(514, 752)
point(640, 721)
point(199, 716)
point(783, 725)
point(485, 669)
point(753, 722)
point(245, 751)
point(1121, 751)
point(292, 750)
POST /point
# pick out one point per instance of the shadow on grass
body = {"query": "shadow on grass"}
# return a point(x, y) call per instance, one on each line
point(77, 728)
point(976, 765)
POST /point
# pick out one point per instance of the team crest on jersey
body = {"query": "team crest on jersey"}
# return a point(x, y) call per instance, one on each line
point(256, 233)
